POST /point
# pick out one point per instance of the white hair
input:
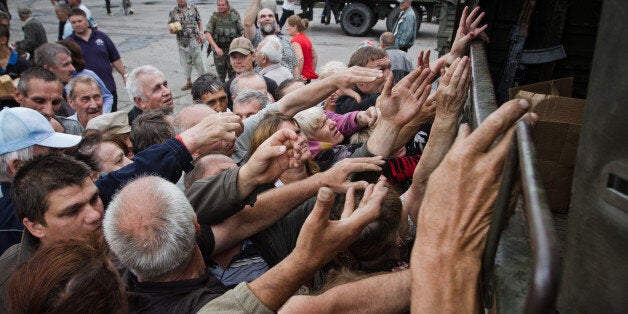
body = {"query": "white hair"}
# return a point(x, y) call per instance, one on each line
point(271, 48)
point(330, 68)
point(309, 120)
point(165, 241)
point(23, 154)
point(133, 86)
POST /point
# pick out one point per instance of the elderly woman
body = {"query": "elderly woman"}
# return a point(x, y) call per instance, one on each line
point(102, 152)
point(303, 49)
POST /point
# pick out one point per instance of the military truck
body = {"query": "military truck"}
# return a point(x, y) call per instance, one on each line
point(359, 17)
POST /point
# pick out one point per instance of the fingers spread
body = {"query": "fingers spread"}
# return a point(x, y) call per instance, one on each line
point(497, 123)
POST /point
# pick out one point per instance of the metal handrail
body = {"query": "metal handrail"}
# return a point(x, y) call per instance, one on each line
point(543, 286)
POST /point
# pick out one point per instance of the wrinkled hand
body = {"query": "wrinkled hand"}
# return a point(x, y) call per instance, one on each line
point(453, 88)
point(337, 178)
point(275, 155)
point(401, 103)
point(345, 80)
point(367, 118)
point(321, 239)
point(467, 30)
point(460, 195)
point(222, 126)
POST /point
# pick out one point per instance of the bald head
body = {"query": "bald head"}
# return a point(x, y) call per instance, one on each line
point(150, 226)
point(191, 116)
point(206, 166)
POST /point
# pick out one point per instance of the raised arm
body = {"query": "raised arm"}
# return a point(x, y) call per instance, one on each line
point(397, 106)
point(319, 241)
point(274, 204)
point(456, 214)
point(362, 296)
point(315, 92)
point(450, 96)
point(249, 19)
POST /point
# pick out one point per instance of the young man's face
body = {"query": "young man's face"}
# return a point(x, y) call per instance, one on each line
point(79, 24)
point(87, 101)
point(378, 85)
point(241, 62)
point(223, 6)
point(73, 212)
point(41, 96)
point(217, 101)
point(157, 94)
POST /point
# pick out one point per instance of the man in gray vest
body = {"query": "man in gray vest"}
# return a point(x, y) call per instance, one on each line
point(222, 28)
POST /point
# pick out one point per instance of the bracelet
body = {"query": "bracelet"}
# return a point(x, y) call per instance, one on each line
point(178, 138)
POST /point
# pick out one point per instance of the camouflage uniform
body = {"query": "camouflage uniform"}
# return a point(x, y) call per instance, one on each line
point(189, 48)
point(223, 31)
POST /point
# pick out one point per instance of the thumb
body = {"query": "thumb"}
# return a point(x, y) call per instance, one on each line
point(351, 93)
point(324, 202)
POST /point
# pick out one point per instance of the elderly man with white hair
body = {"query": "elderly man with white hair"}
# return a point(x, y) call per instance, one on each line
point(268, 56)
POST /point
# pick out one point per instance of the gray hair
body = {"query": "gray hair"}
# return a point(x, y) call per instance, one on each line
point(182, 122)
point(233, 89)
point(46, 54)
point(309, 120)
point(271, 49)
point(23, 154)
point(330, 68)
point(64, 7)
point(249, 95)
point(85, 79)
point(165, 242)
point(133, 86)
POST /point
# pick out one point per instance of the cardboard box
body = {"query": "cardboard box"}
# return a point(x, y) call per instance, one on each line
point(555, 135)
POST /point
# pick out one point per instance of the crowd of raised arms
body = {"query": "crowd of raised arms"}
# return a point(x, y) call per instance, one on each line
point(284, 186)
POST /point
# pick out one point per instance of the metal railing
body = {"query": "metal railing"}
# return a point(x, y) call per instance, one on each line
point(521, 161)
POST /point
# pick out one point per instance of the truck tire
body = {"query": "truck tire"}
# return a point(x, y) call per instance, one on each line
point(391, 19)
point(356, 19)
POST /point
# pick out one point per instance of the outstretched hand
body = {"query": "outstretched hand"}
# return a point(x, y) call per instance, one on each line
point(337, 178)
point(453, 88)
point(468, 29)
point(281, 151)
point(345, 80)
point(399, 104)
point(321, 239)
point(216, 127)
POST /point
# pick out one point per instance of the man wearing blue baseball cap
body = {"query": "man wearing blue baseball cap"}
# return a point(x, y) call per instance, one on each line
point(24, 133)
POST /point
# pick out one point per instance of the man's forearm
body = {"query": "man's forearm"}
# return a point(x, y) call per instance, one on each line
point(380, 143)
point(362, 296)
point(279, 283)
point(308, 96)
point(443, 283)
point(119, 67)
point(249, 18)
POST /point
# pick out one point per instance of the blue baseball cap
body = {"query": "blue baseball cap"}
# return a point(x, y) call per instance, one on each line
point(23, 127)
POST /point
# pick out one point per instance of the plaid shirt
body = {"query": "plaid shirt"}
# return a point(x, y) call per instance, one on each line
point(189, 19)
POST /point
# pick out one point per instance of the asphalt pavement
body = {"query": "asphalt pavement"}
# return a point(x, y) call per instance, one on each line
point(143, 38)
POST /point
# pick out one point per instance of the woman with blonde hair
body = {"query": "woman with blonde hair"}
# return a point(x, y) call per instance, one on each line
point(303, 49)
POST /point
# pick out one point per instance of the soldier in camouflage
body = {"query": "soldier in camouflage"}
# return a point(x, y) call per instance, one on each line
point(222, 28)
point(185, 21)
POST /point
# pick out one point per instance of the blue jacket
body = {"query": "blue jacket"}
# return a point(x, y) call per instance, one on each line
point(167, 160)
point(405, 29)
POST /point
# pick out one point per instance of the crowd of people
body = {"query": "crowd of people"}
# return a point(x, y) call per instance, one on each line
point(277, 189)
